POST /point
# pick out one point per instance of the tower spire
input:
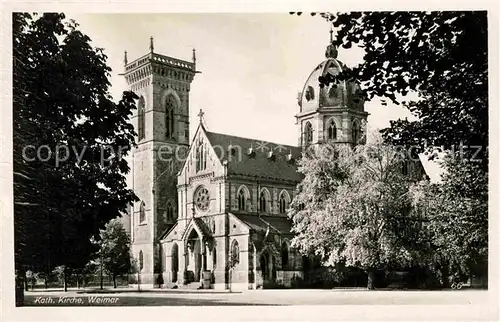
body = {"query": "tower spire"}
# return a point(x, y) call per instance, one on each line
point(125, 60)
point(151, 45)
point(331, 49)
point(194, 55)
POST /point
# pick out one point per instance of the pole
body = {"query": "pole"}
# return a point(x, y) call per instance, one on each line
point(101, 269)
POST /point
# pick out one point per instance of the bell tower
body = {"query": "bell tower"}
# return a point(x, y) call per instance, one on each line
point(161, 122)
point(330, 113)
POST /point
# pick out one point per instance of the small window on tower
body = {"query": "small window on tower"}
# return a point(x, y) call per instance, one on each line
point(355, 132)
point(142, 213)
point(309, 93)
point(332, 130)
point(333, 92)
point(170, 105)
point(170, 212)
point(141, 119)
point(308, 134)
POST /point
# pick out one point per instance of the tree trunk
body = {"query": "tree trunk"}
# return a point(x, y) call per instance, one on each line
point(33, 284)
point(101, 275)
point(77, 281)
point(114, 280)
point(371, 279)
point(445, 273)
point(46, 282)
point(65, 281)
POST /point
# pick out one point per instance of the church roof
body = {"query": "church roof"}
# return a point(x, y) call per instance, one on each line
point(276, 224)
point(256, 158)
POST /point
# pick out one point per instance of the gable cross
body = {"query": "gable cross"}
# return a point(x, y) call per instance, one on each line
point(200, 115)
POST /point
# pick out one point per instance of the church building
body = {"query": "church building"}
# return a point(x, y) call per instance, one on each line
point(214, 209)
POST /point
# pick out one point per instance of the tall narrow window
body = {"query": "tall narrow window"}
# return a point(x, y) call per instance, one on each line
point(283, 202)
point(235, 252)
point(201, 158)
point(169, 116)
point(308, 133)
point(264, 201)
point(141, 128)
point(170, 212)
point(241, 200)
point(332, 130)
point(142, 213)
point(355, 132)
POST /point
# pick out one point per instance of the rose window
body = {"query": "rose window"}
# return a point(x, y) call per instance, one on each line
point(202, 198)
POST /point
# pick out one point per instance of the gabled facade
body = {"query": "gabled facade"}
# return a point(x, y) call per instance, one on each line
point(233, 200)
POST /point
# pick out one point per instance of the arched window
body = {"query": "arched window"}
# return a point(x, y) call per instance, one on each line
point(235, 252)
point(264, 201)
point(141, 260)
point(141, 128)
point(214, 256)
point(170, 104)
point(284, 254)
point(284, 201)
point(309, 93)
point(308, 133)
point(201, 158)
point(333, 92)
point(242, 199)
point(355, 132)
point(332, 130)
point(170, 212)
point(142, 212)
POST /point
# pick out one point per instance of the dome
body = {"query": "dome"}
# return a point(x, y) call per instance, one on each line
point(343, 95)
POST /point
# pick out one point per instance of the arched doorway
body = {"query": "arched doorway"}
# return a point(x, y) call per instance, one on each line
point(175, 262)
point(195, 256)
point(267, 267)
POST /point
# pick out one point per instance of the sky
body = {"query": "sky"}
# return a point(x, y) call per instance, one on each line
point(252, 66)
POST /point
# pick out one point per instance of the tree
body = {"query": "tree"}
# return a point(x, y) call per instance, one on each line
point(352, 208)
point(457, 220)
point(69, 143)
point(115, 249)
point(442, 56)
